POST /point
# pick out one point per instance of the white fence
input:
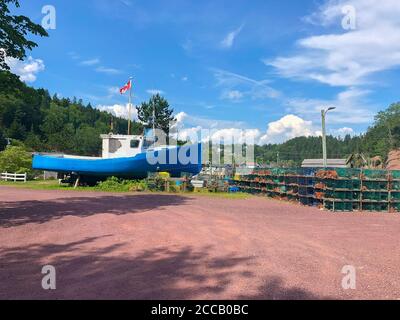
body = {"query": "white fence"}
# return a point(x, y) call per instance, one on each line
point(13, 176)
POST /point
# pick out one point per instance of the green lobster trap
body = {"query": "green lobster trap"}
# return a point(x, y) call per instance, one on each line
point(337, 189)
point(375, 206)
point(375, 185)
point(344, 206)
point(375, 196)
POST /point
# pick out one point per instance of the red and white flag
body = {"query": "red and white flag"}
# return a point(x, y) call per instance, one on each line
point(126, 87)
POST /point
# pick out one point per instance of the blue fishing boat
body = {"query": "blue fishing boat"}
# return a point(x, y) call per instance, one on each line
point(125, 156)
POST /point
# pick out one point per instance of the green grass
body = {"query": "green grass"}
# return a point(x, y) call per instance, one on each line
point(224, 195)
point(39, 185)
point(53, 185)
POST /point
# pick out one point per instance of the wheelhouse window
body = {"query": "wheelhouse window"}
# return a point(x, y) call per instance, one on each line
point(135, 144)
point(114, 145)
point(148, 142)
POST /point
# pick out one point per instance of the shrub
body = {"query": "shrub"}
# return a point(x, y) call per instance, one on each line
point(15, 159)
point(138, 186)
point(120, 185)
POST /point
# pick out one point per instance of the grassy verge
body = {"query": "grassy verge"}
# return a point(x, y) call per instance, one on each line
point(53, 185)
point(224, 195)
point(39, 185)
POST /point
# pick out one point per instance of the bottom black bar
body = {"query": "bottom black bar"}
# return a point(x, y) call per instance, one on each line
point(198, 309)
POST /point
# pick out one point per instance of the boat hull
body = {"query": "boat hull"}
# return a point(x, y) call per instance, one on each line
point(136, 167)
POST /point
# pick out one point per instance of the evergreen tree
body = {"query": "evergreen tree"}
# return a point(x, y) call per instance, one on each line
point(17, 129)
point(162, 111)
point(3, 141)
point(33, 141)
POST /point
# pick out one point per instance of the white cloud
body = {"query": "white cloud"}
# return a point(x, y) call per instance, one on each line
point(90, 62)
point(347, 58)
point(342, 132)
point(119, 110)
point(235, 135)
point(288, 127)
point(73, 55)
point(180, 118)
point(95, 63)
point(126, 2)
point(112, 91)
point(155, 91)
point(233, 95)
point(234, 84)
point(188, 45)
point(106, 70)
point(228, 41)
point(187, 120)
point(185, 78)
point(351, 107)
point(27, 70)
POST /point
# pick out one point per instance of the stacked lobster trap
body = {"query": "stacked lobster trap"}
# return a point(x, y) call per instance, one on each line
point(335, 189)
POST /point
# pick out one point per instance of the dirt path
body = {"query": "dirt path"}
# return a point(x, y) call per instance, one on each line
point(147, 246)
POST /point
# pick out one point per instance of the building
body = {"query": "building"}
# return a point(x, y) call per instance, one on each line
point(331, 163)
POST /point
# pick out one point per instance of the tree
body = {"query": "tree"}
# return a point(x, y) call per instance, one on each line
point(87, 140)
point(13, 31)
point(163, 113)
point(33, 142)
point(17, 129)
point(384, 135)
point(3, 141)
point(15, 159)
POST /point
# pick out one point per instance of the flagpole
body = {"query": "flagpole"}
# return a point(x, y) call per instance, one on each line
point(129, 107)
point(154, 121)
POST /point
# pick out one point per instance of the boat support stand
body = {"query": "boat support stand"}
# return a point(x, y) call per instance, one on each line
point(77, 182)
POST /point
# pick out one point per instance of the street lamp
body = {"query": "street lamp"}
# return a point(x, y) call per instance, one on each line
point(323, 115)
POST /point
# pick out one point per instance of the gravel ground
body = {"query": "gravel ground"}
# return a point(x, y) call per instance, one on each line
point(148, 246)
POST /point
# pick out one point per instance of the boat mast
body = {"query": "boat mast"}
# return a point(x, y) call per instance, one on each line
point(154, 122)
point(130, 106)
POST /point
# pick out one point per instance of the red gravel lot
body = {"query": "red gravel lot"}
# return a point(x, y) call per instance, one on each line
point(148, 246)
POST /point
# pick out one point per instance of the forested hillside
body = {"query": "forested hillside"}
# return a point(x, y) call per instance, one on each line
point(380, 138)
point(46, 123)
point(294, 151)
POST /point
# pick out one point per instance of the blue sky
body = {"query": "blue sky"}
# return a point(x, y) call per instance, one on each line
point(267, 66)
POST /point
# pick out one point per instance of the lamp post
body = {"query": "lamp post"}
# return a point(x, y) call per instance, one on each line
point(324, 153)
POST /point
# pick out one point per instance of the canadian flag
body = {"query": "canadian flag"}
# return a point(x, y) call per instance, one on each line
point(126, 87)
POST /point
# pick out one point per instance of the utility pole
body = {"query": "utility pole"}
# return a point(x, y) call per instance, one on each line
point(324, 150)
